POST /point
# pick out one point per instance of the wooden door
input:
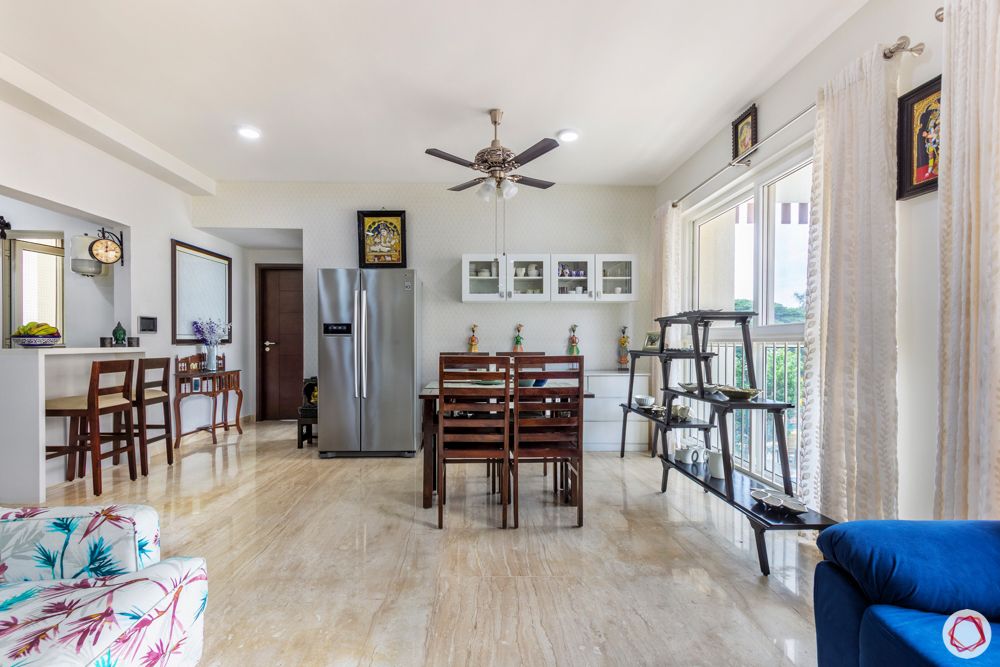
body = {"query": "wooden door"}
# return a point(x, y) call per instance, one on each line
point(279, 341)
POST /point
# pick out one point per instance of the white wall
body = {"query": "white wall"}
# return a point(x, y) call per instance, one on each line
point(443, 225)
point(918, 311)
point(42, 163)
point(88, 303)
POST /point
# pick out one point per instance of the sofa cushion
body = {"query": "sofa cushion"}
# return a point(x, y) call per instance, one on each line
point(152, 617)
point(935, 566)
point(898, 636)
point(69, 542)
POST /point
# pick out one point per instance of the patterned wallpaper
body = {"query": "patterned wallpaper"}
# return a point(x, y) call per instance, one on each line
point(443, 225)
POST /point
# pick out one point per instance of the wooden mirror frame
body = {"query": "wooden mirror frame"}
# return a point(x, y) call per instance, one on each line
point(174, 246)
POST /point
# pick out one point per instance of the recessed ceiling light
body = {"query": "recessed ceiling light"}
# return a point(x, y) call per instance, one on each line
point(567, 135)
point(248, 132)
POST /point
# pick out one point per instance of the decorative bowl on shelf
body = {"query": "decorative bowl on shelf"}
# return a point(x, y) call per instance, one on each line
point(541, 382)
point(37, 341)
point(779, 501)
point(483, 273)
point(643, 401)
point(680, 412)
point(738, 393)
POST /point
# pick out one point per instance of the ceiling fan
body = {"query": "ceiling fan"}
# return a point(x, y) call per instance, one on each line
point(497, 162)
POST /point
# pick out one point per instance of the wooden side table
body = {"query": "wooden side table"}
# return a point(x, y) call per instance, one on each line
point(192, 379)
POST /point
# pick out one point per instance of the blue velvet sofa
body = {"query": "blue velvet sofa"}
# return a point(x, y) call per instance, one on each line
point(886, 589)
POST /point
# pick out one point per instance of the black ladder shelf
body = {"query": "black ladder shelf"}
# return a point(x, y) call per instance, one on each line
point(735, 487)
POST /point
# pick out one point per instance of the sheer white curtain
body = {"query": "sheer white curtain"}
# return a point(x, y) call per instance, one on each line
point(849, 415)
point(673, 248)
point(968, 473)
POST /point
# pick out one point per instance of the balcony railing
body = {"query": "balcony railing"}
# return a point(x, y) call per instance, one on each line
point(779, 366)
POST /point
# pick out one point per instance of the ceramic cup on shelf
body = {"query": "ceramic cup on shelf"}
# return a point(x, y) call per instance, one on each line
point(687, 455)
point(715, 467)
point(579, 289)
point(618, 290)
point(519, 271)
point(532, 273)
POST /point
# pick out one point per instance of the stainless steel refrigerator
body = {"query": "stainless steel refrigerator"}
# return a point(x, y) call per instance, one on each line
point(369, 347)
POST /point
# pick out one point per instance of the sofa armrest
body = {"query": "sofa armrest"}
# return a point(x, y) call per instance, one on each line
point(934, 566)
point(39, 543)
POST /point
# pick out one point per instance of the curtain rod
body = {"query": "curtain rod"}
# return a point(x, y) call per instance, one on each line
point(902, 45)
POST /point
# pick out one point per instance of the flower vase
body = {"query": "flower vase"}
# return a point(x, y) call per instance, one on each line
point(211, 357)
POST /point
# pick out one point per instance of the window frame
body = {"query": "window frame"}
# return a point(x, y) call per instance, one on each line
point(763, 327)
point(12, 278)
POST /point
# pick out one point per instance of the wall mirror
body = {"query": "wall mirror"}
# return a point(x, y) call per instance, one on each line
point(201, 289)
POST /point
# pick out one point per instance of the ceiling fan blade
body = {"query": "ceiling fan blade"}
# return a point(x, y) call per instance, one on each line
point(534, 182)
point(538, 150)
point(448, 156)
point(467, 184)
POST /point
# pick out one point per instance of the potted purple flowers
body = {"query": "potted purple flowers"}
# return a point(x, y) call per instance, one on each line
point(211, 333)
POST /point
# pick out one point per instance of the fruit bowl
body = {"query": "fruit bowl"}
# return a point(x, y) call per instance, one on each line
point(37, 341)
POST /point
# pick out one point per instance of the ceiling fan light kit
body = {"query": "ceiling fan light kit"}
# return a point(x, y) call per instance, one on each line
point(498, 163)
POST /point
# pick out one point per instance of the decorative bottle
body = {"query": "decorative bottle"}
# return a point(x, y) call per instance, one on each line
point(574, 342)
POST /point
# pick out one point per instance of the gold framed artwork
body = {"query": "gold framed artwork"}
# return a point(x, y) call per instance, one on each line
point(382, 239)
point(918, 149)
point(745, 133)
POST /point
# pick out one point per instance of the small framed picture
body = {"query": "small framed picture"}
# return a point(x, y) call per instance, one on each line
point(196, 385)
point(382, 239)
point(745, 133)
point(918, 151)
point(651, 343)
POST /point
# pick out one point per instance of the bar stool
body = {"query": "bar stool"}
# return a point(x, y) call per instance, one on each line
point(85, 413)
point(153, 392)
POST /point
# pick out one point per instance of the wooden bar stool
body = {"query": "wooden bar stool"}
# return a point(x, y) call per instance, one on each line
point(153, 392)
point(85, 413)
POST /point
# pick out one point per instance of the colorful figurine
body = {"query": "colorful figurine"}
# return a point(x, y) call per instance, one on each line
point(574, 342)
point(473, 341)
point(623, 342)
point(518, 338)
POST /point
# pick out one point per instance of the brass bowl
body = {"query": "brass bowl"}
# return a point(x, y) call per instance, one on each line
point(738, 393)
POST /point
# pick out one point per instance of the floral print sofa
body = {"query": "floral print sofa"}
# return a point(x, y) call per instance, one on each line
point(86, 586)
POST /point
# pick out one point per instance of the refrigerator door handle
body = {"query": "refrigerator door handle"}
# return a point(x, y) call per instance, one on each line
point(354, 342)
point(364, 343)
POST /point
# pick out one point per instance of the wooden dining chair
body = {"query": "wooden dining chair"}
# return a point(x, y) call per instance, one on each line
point(85, 411)
point(150, 392)
point(548, 423)
point(473, 420)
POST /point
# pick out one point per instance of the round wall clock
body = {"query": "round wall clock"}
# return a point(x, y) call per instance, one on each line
point(106, 251)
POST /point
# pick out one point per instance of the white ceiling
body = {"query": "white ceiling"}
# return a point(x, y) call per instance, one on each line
point(355, 91)
point(270, 238)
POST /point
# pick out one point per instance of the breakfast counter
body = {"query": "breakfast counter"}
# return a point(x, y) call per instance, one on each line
point(32, 375)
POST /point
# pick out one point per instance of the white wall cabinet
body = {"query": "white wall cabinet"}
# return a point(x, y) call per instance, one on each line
point(573, 277)
point(484, 278)
point(617, 278)
point(554, 277)
point(528, 277)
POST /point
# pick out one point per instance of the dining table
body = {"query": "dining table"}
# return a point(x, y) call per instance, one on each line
point(429, 396)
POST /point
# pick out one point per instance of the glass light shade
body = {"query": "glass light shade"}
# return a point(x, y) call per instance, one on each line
point(507, 189)
point(486, 189)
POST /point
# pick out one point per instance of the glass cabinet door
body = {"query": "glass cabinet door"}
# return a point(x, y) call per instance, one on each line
point(528, 277)
point(573, 277)
point(483, 278)
point(618, 278)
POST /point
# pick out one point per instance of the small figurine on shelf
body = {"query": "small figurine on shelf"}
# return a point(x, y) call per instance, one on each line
point(518, 338)
point(119, 334)
point(574, 342)
point(473, 340)
point(623, 342)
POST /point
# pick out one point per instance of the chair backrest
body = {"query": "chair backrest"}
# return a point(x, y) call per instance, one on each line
point(142, 382)
point(550, 415)
point(473, 416)
point(101, 369)
point(514, 355)
point(461, 360)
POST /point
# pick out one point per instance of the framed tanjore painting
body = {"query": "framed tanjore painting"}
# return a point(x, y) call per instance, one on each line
point(745, 132)
point(382, 239)
point(918, 148)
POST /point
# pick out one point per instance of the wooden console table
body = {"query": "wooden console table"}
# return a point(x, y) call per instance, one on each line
point(211, 384)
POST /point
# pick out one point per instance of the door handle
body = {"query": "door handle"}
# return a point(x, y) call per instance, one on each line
point(364, 343)
point(354, 343)
point(268, 343)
